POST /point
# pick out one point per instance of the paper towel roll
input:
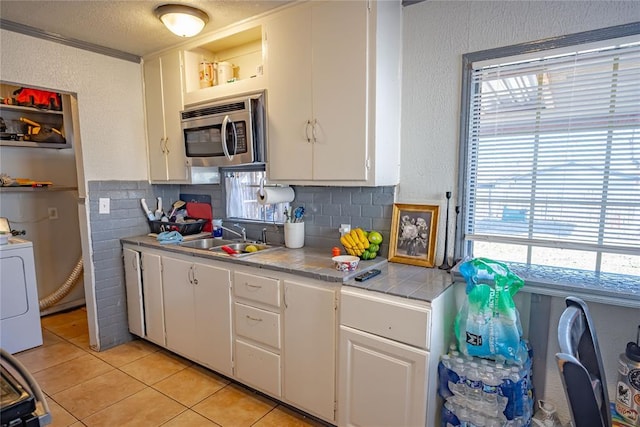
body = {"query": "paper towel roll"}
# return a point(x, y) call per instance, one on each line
point(276, 195)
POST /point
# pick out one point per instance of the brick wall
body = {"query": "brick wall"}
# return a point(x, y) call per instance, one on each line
point(126, 218)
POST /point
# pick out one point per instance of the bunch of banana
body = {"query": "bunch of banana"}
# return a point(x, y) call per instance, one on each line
point(355, 242)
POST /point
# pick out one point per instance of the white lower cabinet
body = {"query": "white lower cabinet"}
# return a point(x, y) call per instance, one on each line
point(258, 367)
point(382, 382)
point(310, 347)
point(197, 312)
point(143, 281)
point(389, 352)
point(278, 333)
point(285, 339)
point(257, 331)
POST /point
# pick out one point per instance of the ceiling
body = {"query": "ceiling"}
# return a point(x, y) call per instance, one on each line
point(128, 26)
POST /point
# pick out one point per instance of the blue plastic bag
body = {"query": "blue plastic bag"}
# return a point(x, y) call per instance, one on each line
point(488, 323)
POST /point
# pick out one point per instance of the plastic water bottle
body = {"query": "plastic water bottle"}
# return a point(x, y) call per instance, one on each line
point(449, 418)
point(508, 390)
point(459, 368)
point(490, 385)
point(474, 383)
point(446, 376)
point(520, 391)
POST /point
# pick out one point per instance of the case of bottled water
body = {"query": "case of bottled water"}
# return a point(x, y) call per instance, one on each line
point(485, 393)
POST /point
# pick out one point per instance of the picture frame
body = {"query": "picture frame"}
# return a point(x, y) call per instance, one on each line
point(414, 229)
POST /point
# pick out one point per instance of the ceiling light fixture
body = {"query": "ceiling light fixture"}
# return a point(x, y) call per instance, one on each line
point(182, 20)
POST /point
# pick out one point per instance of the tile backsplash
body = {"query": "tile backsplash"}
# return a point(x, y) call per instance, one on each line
point(326, 208)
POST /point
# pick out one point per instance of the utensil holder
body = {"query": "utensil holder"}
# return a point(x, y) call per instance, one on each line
point(294, 234)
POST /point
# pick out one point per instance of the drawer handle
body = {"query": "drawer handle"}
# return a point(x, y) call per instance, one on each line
point(249, 285)
point(255, 319)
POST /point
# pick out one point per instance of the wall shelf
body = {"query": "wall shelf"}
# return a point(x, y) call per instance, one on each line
point(24, 189)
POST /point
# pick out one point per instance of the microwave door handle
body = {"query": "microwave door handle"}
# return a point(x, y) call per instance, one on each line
point(235, 139)
point(223, 132)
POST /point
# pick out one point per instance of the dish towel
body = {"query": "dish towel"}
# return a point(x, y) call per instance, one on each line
point(169, 237)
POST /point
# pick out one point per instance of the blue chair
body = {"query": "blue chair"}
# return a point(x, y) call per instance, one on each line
point(580, 366)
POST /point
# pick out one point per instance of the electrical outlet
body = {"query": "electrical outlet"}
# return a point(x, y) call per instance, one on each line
point(53, 213)
point(104, 205)
point(344, 229)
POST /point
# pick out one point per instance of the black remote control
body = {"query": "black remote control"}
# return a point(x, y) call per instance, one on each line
point(367, 275)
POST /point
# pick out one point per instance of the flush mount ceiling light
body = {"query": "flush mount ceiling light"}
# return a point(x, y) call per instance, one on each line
point(182, 20)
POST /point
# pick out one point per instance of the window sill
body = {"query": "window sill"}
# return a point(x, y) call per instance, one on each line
point(606, 288)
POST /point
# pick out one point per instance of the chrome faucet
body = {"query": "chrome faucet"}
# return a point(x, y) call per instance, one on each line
point(243, 231)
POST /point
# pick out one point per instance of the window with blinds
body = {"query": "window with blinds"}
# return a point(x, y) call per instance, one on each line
point(552, 167)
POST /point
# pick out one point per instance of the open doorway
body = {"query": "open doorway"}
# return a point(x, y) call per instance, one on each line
point(40, 192)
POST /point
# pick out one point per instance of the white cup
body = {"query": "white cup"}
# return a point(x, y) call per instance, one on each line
point(294, 234)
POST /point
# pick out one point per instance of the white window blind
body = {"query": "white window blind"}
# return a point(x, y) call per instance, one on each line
point(553, 156)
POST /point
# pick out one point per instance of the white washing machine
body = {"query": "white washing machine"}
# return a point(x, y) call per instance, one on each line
point(19, 310)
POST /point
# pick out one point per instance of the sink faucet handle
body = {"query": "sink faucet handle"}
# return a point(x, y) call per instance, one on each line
point(242, 230)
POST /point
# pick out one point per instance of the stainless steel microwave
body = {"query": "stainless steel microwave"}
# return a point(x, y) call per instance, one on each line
point(226, 133)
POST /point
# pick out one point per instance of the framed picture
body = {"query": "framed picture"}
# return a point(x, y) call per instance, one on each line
point(413, 234)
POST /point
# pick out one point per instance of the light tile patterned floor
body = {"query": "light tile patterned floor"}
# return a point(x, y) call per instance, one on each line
point(139, 384)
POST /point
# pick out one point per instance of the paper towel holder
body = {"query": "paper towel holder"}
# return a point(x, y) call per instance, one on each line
point(262, 186)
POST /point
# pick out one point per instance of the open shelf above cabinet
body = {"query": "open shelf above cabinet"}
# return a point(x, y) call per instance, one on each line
point(234, 62)
point(34, 127)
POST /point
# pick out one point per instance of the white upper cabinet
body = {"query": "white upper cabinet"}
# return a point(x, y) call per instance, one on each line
point(163, 103)
point(331, 70)
point(334, 93)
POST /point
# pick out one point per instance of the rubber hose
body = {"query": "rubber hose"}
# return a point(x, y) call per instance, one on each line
point(64, 289)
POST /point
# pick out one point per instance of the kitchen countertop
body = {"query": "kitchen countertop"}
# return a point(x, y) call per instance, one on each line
point(401, 280)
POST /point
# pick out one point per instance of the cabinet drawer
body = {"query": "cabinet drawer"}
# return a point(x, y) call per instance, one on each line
point(399, 321)
point(258, 367)
point(257, 288)
point(259, 325)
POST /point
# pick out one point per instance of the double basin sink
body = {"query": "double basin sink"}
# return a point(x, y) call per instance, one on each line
point(216, 246)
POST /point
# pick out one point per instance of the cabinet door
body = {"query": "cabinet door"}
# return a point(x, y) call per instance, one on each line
point(163, 103)
point(382, 382)
point(155, 120)
point(153, 303)
point(309, 348)
point(212, 308)
point(289, 96)
point(179, 313)
point(173, 104)
point(332, 38)
point(340, 75)
point(133, 284)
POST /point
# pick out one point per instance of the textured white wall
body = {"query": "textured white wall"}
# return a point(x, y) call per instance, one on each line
point(436, 35)
point(110, 100)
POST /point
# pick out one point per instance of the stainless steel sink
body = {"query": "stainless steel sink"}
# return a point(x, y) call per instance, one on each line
point(206, 244)
point(241, 248)
point(215, 246)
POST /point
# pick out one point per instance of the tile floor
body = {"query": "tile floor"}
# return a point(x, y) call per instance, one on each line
point(139, 384)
